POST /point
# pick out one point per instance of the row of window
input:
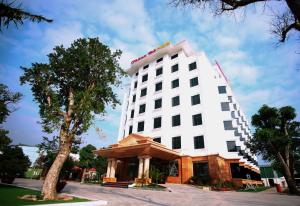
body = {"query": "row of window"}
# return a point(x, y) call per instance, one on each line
point(195, 99)
point(174, 68)
point(176, 121)
point(176, 142)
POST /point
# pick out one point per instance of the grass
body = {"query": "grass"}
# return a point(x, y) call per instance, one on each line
point(9, 197)
point(258, 189)
point(151, 186)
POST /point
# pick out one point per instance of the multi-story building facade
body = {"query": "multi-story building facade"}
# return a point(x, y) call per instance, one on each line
point(179, 99)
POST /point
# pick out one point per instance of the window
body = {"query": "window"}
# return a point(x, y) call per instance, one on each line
point(175, 83)
point(200, 169)
point(133, 98)
point(176, 142)
point(159, 71)
point(231, 146)
point(142, 108)
point(157, 139)
point(228, 125)
point(158, 86)
point(195, 99)
point(145, 78)
point(176, 120)
point(230, 98)
point(222, 89)
point(157, 122)
point(197, 119)
point(159, 60)
point(141, 126)
point(132, 114)
point(144, 92)
point(174, 56)
point(194, 82)
point(157, 103)
point(136, 74)
point(175, 101)
point(198, 142)
point(192, 66)
point(135, 84)
point(146, 66)
point(234, 106)
point(130, 129)
point(174, 68)
point(225, 106)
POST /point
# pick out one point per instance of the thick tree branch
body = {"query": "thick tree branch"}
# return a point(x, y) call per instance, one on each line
point(285, 31)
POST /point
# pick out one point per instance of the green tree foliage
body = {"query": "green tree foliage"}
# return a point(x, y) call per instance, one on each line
point(71, 89)
point(100, 164)
point(13, 163)
point(286, 12)
point(87, 157)
point(9, 13)
point(276, 138)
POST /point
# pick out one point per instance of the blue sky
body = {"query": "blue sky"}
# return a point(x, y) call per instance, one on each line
point(259, 71)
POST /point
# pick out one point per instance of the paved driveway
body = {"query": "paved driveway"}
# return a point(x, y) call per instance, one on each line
point(180, 195)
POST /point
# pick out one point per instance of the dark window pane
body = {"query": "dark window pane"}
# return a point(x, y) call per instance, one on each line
point(145, 78)
point(197, 119)
point(192, 66)
point(225, 106)
point(159, 60)
point(175, 83)
point(158, 86)
point(133, 98)
point(194, 82)
point(200, 169)
point(174, 56)
point(195, 99)
point(136, 74)
point(222, 89)
point(176, 142)
point(159, 71)
point(130, 129)
point(146, 66)
point(142, 108)
point(132, 114)
point(157, 139)
point(157, 122)
point(140, 126)
point(231, 146)
point(144, 92)
point(176, 120)
point(174, 68)
point(198, 142)
point(157, 103)
point(228, 125)
point(175, 101)
point(135, 84)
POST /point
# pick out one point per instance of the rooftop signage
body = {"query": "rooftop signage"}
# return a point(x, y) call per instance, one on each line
point(151, 52)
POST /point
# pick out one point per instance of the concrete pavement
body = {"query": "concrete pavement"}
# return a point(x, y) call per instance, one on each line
point(180, 195)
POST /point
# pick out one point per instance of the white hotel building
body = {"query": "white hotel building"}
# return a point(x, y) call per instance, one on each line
point(181, 100)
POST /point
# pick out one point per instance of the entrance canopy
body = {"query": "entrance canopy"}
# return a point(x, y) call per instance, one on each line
point(138, 145)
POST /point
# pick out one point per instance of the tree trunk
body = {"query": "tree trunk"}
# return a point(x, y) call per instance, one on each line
point(49, 186)
point(288, 175)
point(83, 175)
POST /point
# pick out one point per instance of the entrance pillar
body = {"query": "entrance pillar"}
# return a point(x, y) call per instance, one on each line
point(108, 168)
point(113, 168)
point(146, 166)
point(141, 167)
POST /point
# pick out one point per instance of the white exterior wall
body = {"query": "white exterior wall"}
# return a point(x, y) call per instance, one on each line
point(209, 79)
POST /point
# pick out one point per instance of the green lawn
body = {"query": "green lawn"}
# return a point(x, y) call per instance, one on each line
point(9, 194)
point(258, 189)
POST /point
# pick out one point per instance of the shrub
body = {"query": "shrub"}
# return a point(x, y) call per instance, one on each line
point(200, 180)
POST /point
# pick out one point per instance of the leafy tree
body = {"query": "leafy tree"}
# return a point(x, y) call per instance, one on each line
point(100, 164)
point(7, 100)
point(86, 159)
point(71, 89)
point(10, 13)
point(13, 163)
point(276, 138)
point(282, 24)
